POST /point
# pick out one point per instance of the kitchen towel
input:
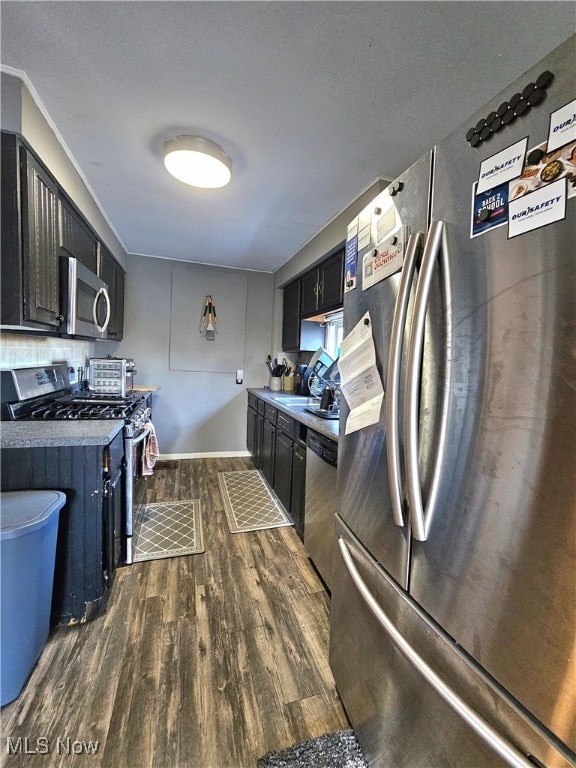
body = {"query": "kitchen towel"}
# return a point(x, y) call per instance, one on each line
point(151, 451)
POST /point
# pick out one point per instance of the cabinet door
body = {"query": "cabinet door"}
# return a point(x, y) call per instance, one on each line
point(283, 469)
point(40, 251)
point(331, 282)
point(112, 524)
point(268, 448)
point(298, 488)
point(251, 423)
point(291, 317)
point(113, 275)
point(75, 237)
point(10, 233)
point(258, 440)
point(309, 293)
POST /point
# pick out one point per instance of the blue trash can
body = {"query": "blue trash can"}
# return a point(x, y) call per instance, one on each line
point(28, 532)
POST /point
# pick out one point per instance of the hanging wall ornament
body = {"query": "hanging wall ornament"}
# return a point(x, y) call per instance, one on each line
point(211, 327)
point(204, 318)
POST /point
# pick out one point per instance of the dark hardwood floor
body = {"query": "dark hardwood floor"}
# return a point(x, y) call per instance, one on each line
point(203, 661)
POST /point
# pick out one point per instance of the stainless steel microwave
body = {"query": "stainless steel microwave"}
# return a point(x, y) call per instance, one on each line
point(85, 300)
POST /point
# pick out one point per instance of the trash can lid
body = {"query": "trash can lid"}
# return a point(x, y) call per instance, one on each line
point(22, 512)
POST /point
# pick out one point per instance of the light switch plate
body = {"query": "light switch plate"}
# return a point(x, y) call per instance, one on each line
point(239, 376)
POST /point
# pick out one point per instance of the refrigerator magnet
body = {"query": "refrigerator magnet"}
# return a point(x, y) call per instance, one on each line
point(489, 209)
point(351, 256)
point(538, 209)
point(503, 166)
point(544, 166)
point(562, 126)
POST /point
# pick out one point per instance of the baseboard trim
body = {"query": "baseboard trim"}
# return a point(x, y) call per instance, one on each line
point(204, 455)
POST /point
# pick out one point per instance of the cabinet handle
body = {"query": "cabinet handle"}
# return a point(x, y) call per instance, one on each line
point(321, 288)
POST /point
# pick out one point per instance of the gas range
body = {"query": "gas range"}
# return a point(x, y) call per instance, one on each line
point(78, 406)
point(44, 394)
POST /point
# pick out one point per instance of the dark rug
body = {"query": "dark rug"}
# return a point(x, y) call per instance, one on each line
point(333, 750)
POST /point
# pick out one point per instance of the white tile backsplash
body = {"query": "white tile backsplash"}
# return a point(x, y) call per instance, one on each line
point(21, 351)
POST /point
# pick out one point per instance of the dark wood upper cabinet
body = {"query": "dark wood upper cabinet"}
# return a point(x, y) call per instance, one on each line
point(322, 287)
point(113, 275)
point(30, 278)
point(291, 317)
point(40, 224)
point(331, 282)
point(309, 293)
point(319, 290)
point(75, 237)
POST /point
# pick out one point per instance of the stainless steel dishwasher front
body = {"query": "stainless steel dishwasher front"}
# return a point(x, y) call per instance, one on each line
point(321, 502)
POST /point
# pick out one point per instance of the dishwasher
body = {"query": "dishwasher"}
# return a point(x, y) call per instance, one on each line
point(321, 502)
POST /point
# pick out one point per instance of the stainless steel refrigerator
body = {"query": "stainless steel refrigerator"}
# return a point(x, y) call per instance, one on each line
point(453, 637)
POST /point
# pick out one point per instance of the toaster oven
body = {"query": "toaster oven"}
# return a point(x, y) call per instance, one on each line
point(109, 376)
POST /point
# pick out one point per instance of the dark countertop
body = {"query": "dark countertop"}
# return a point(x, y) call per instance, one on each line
point(54, 434)
point(327, 427)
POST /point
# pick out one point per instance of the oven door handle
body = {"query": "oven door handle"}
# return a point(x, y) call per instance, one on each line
point(129, 446)
point(142, 436)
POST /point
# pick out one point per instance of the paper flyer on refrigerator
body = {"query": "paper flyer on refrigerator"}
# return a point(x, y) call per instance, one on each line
point(360, 384)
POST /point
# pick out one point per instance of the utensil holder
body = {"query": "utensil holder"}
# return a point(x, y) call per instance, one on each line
point(289, 383)
point(275, 383)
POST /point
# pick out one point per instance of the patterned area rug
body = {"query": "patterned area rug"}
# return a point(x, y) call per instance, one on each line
point(248, 502)
point(168, 529)
point(334, 750)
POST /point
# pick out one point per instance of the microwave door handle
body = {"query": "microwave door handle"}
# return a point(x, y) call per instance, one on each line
point(393, 377)
point(435, 248)
point(104, 294)
point(507, 751)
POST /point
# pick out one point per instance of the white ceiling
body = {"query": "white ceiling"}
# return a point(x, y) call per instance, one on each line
point(311, 100)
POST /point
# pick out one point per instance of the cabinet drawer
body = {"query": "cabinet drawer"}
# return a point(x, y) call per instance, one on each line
point(252, 401)
point(285, 424)
point(270, 413)
point(260, 408)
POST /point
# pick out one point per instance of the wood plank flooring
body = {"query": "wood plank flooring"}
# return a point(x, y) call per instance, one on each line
point(201, 661)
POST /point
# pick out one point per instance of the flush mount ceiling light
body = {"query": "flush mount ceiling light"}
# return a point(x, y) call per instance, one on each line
point(197, 161)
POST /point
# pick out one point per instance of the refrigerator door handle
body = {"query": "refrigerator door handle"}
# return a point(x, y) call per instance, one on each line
point(434, 247)
point(393, 377)
point(495, 741)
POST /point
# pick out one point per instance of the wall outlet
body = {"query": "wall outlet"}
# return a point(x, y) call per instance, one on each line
point(239, 376)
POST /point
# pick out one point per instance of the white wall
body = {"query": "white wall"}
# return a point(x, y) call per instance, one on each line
point(195, 412)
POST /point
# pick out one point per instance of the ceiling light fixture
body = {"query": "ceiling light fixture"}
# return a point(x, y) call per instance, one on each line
point(197, 161)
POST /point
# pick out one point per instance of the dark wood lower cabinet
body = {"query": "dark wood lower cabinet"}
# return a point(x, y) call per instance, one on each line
point(251, 424)
point(87, 545)
point(277, 444)
point(268, 450)
point(298, 491)
point(283, 469)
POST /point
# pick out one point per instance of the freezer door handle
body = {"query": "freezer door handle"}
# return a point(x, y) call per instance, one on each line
point(495, 741)
point(393, 378)
point(435, 248)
